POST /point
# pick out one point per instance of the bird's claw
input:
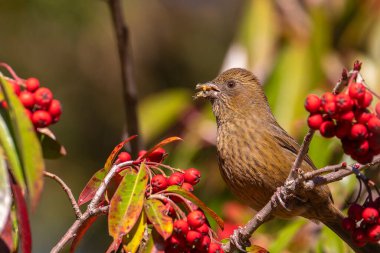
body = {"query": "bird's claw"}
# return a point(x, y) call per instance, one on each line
point(238, 242)
point(277, 198)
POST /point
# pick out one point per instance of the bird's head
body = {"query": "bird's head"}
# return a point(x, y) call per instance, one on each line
point(234, 92)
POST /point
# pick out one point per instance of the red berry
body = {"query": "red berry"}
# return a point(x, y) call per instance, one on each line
point(180, 227)
point(374, 125)
point(176, 242)
point(348, 224)
point(4, 104)
point(203, 229)
point(356, 90)
point(370, 215)
point(373, 233)
point(215, 248)
point(141, 153)
point(346, 116)
point(159, 183)
point(169, 210)
point(193, 238)
point(312, 103)
point(359, 237)
point(157, 155)
point(43, 97)
point(362, 148)
point(377, 109)
point(32, 84)
point(343, 129)
point(188, 187)
point(315, 121)
point(27, 99)
point(348, 146)
point(55, 108)
point(327, 129)
point(192, 176)
point(123, 157)
point(204, 244)
point(41, 118)
point(327, 97)
point(196, 219)
point(176, 178)
point(16, 88)
point(365, 101)
point(358, 132)
point(355, 211)
point(330, 108)
point(343, 102)
point(362, 116)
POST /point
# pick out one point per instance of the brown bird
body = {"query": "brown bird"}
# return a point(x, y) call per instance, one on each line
point(255, 153)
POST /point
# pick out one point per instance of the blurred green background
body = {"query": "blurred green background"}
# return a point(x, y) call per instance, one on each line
point(295, 48)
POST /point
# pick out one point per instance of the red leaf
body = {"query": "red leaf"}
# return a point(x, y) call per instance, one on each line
point(81, 232)
point(91, 187)
point(160, 144)
point(23, 219)
point(115, 151)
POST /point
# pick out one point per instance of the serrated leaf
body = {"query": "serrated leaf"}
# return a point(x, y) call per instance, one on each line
point(7, 143)
point(155, 243)
point(115, 151)
point(81, 232)
point(93, 184)
point(155, 212)
point(51, 148)
point(27, 143)
point(161, 144)
point(22, 219)
point(5, 192)
point(127, 203)
point(188, 195)
point(132, 240)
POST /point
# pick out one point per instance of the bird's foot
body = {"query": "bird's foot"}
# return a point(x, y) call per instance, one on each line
point(238, 242)
point(276, 198)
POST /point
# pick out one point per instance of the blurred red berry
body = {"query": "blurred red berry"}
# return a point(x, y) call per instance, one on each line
point(343, 129)
point(373, 233)
point(123, 157)
point(176, 242)
point(327, 129)
point(157, 155)
point(27, 99)
point(362, 116)
point(204, 244)
point(4, 104)
point(176, 178)
point(188, 187)
point(159, 183)
point(374, 125)
point(355, 212)
point(193, 238)
point(374, 142)
point(312, 103)
point(347, 116)
point(356, 90)
point(43, 97)
point(169, 209)
point(358, 132)
point(180, 227)
point(315, 121)
point(359, 237)
point(55, 108)
point(28, 113)
point(196, 219)
point(343, 102)
point(327, 98)
point(370, 215)
point(192, 176)
point(41, 118)
point(16, 88)
point(215, 248)
point(142, 153)
point(348, 224)
point(362, 148)
point(330, 108)
point(32, 84)
point(365, 101)
point(203, 229)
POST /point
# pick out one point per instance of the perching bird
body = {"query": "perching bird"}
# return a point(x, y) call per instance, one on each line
point(255, 153)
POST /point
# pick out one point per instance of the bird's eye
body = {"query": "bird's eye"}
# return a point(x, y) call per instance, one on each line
point(231, 84)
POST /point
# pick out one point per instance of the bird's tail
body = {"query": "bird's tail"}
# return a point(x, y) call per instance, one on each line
point(335, 225)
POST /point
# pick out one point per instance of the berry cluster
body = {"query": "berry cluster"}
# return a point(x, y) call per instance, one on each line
point(190, 233)
point(363, 222)
point(348, 117)
point(40, 106)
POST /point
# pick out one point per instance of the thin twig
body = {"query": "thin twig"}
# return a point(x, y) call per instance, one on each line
point(129, 84)
point(68, 191)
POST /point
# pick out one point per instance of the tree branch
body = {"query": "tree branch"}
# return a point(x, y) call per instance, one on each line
point(128, 81)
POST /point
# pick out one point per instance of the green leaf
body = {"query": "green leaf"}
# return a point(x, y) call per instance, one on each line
point(127, 203)
point(5, 192)
point(155, 243)
point(178, 190)
point(115, 152)
point(256, 249)
point(51, 148)
point(286, 235)
point(93, 184)
point(27, 143)
point(132, 240)
point(155, 211)
point(7, 143)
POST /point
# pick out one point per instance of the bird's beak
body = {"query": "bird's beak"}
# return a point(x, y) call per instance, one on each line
point(207, 90)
